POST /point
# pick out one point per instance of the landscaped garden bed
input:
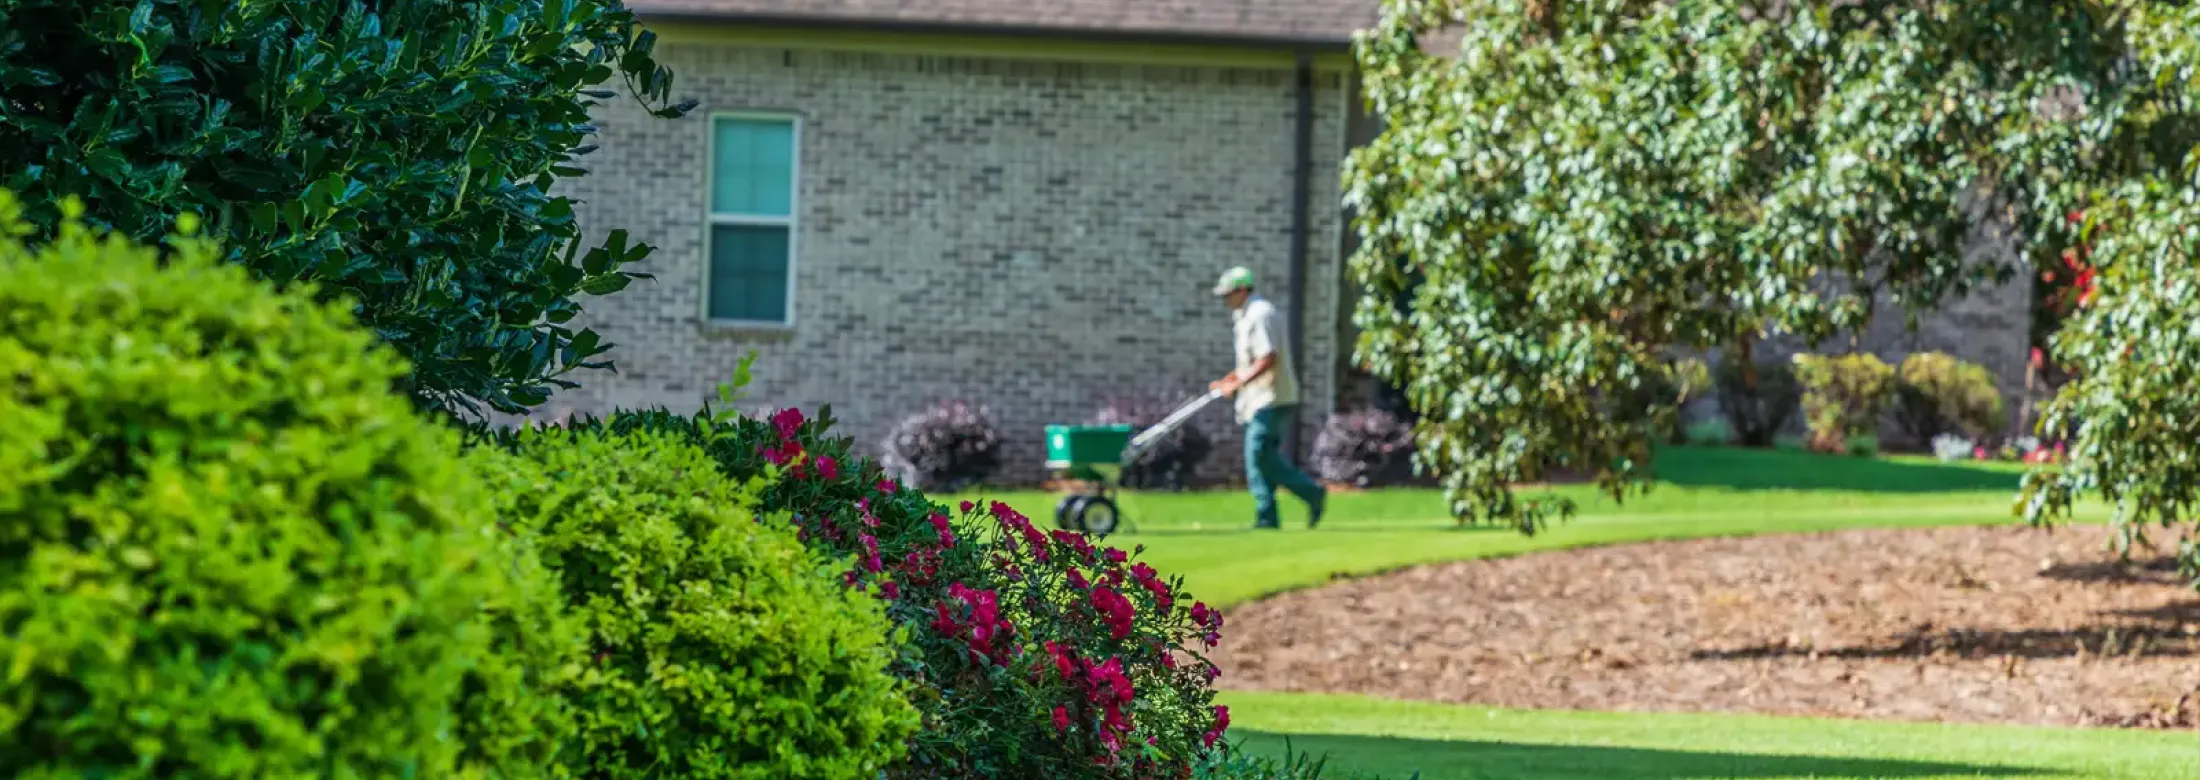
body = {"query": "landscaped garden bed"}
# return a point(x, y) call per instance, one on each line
point(1990, 625)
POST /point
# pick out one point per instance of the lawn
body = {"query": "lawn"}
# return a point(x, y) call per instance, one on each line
point(1394, 739)
point(1701, 492)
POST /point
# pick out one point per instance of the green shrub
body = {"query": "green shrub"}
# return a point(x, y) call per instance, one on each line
point(230, 551)
point(400, 154)
point(1843, 396)
point(1031, 654)
point(1862, 445)
point(1236, 764)
point(1758, 398)
point(1937, 394)
point(723, 648)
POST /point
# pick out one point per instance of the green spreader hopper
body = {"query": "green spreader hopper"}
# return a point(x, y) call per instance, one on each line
point(1096, 455)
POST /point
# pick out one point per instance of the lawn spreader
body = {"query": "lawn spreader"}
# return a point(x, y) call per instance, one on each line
point(1094, 456)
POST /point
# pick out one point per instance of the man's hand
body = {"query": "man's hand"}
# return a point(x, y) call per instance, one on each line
point(1228, 386)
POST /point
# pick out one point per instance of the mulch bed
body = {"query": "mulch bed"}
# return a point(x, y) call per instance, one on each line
point(1986, 625)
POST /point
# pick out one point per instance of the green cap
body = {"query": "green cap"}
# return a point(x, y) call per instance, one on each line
point(1233, 280)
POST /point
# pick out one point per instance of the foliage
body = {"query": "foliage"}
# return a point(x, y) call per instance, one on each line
point(2130, 417)
point(1666, 391)
point(722, 647)
point(947, 447)
point(1843, 397)
point(1030, 654)
point(1173, 461)
point(1364, 448)
point(1936, 394)
point(401, 155)
point(1861, 445)
point(1758, 397)
point(1710, 432)
point(1236, 764)
point(229, 550)
point(1587, 185)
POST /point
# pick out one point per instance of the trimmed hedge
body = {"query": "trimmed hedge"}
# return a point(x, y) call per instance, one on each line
point(1843, 398)
point(722, 648)
point(231, 552)
point(1937, 394)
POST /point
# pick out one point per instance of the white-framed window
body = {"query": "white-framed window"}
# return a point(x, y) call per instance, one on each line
point(749, 245)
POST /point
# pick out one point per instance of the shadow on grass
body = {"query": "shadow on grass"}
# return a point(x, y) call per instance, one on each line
point(1396, 758)
point(1753, 469)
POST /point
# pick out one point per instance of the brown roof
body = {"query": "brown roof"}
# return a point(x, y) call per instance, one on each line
point(1314, 23)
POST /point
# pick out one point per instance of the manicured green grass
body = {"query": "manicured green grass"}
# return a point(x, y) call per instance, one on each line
point(1394, 739)
point(1701, 492)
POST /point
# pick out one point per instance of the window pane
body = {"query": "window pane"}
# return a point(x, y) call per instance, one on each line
point(748, 273)
point(754, 170)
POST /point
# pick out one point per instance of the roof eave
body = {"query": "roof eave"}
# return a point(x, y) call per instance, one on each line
point(1147, 37)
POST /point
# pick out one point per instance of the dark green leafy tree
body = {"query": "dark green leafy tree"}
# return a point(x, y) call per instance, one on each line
point(1583, 188)
point(399, 152)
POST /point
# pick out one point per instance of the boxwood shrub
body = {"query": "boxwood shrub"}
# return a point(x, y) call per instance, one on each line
point(230, 551)
point(720, 646)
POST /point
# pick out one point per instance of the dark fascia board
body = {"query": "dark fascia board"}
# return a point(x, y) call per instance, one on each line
point(1151, 37)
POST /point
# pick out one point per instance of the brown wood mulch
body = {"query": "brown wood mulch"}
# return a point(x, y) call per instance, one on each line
point(1986, 625)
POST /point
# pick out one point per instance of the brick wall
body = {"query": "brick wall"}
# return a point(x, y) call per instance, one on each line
point(1030, 236)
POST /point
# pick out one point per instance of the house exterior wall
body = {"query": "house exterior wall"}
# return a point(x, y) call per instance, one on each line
point(1030, 236)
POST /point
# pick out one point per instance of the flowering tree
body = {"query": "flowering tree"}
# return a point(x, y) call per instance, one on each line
point(2132, 335)
point(1585, 186)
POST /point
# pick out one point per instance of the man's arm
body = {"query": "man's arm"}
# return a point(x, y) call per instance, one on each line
point(1230, 384)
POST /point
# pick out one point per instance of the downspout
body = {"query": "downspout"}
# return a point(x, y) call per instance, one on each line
point(1302, 170)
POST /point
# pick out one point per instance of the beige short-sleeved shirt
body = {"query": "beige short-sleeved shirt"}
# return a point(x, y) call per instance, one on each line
point(1260, 331)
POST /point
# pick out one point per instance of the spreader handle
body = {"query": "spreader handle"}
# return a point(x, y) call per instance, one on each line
point(1167, 425)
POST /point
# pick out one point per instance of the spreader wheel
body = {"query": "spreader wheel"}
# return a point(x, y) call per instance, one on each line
point(1096, 516)
point(1066, 512)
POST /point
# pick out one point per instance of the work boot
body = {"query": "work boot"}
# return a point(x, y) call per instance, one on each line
point(1315, 507)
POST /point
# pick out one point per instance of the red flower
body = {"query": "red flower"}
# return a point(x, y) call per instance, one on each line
point(943, 529)
point(871, 562)
point(828, 468)
point(1201, 614)
point(891, 591)
point(1114, 610)
point(1064, 663)
point(888, 487)
point(788, 423)
point(1074, 541)
point(967, 506)
point(1222, 723)
point(1077, 580)
point(1061, 719)
point(784, 454)
point(1116, 556)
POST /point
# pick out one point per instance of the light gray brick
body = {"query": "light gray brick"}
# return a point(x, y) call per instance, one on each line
point(1029, 236)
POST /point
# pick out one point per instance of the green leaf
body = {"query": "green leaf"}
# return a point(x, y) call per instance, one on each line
point(605, 284)
point(109, 164)
point(263, 219)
